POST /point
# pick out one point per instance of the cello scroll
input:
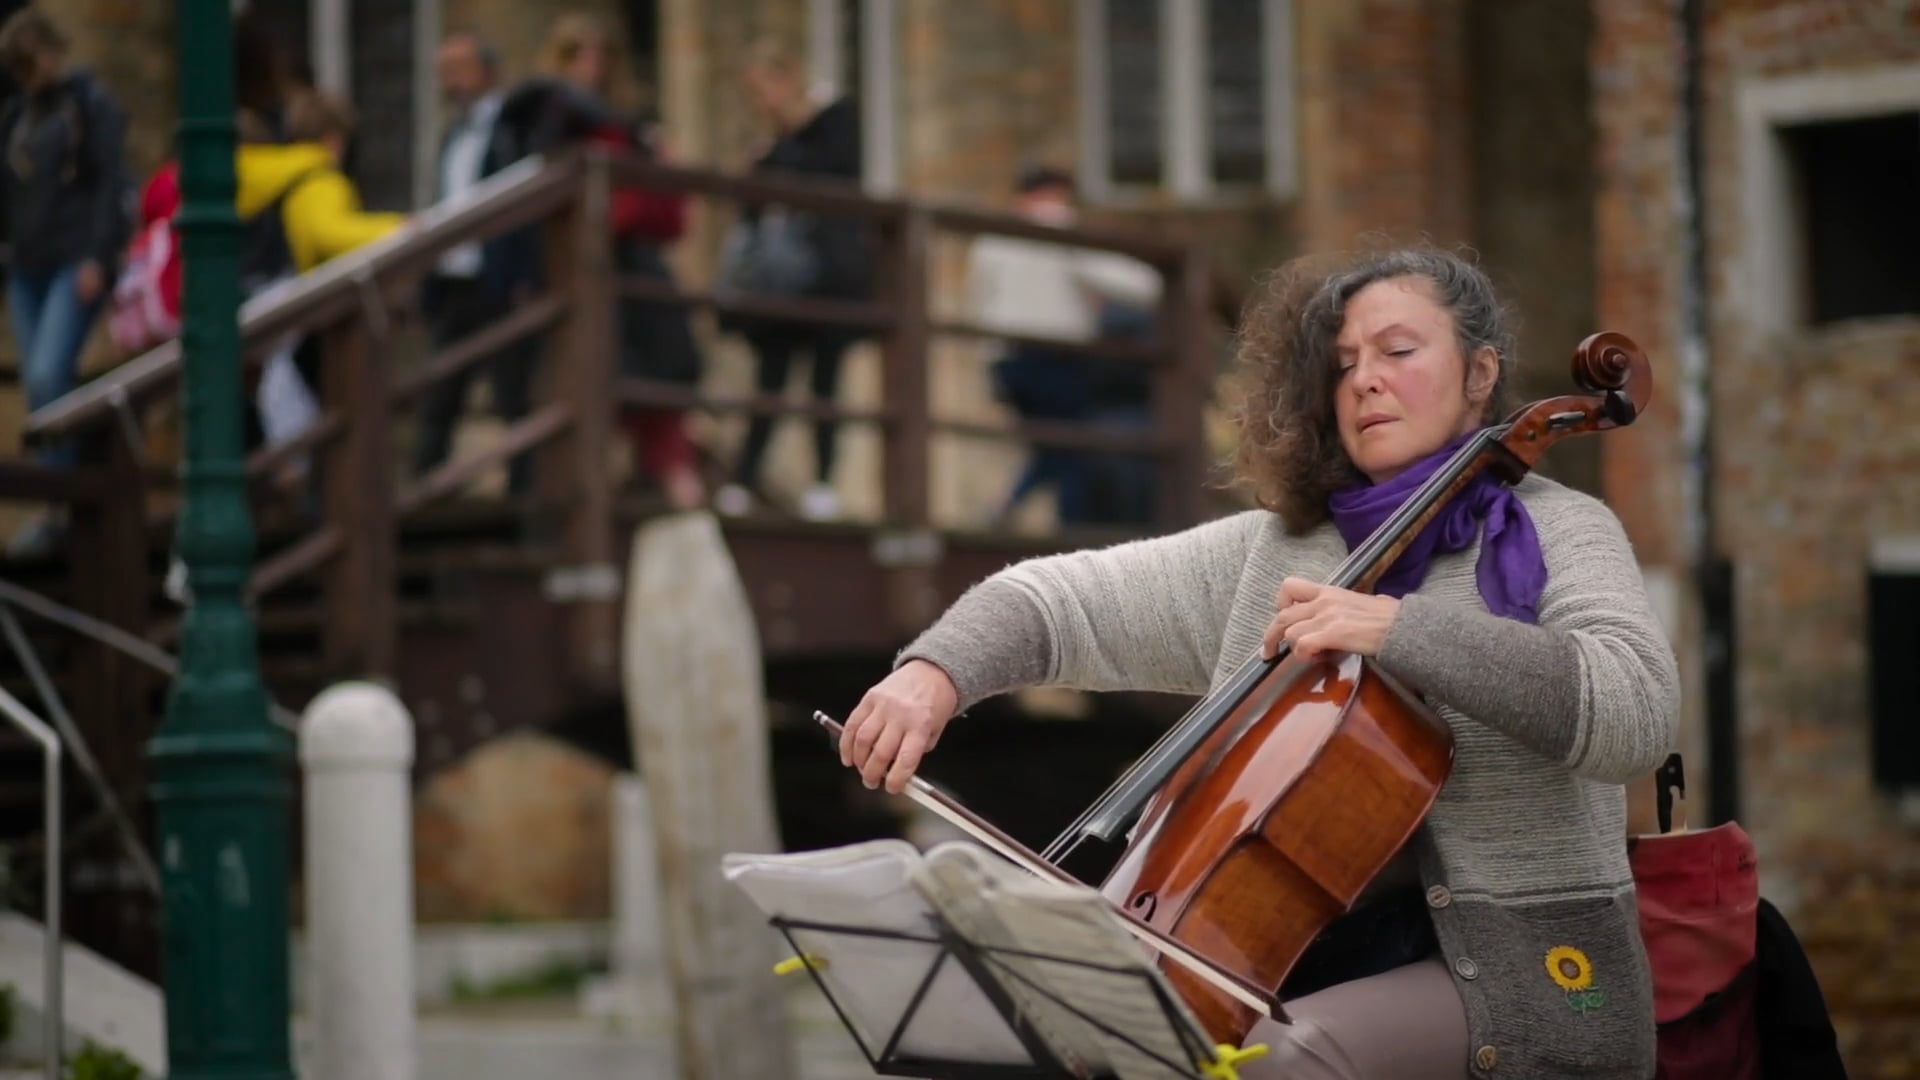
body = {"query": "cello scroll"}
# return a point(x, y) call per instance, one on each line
point(1618, 379)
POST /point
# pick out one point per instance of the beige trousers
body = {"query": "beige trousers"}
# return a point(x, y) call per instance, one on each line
point(1405, 1024)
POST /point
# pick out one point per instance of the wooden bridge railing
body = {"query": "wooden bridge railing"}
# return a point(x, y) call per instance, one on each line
point(355, 303)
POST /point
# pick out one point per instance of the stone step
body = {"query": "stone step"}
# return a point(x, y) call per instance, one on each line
point(102, 1002)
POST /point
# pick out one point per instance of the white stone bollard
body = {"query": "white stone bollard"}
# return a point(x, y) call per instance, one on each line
point(356, 748)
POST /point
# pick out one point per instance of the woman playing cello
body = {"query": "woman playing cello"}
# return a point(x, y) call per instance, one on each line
point(1502, 940)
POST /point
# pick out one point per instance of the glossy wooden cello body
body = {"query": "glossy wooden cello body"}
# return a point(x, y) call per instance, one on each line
point(1275, 827)
point(1300, 780)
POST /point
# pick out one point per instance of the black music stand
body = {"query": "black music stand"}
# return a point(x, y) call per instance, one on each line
point(985, 965)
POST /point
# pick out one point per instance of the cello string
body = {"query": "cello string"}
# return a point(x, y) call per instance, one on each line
point(1359, 561)
point(1246, 676)
point(1076, 832)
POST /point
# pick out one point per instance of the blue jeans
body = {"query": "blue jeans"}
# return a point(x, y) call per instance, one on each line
point(1121, 485)
point(1066, 470)
point(50, 325)
point(1042, 384)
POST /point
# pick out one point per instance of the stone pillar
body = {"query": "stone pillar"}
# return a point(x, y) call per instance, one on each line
point(1383, 121)
point(1639, 239)
point(635, 992)
point(1639, 232)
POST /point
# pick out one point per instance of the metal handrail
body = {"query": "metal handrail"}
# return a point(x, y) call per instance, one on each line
point(108, 634)
point(20, 716)
point(54, 964)
point(77, 747)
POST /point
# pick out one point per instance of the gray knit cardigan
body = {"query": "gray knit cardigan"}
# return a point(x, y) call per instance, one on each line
point(1523, 856)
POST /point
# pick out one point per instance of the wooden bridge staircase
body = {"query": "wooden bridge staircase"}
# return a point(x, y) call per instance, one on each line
point(491, 613)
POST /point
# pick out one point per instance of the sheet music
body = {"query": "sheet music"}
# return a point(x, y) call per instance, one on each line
point(873, 979)
point(996, 904)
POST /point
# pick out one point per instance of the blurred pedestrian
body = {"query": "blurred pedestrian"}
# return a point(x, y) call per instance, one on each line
point(780, 252)
point(67, 197)
point(1045, 292)
point(656, 341)
point(473, 283)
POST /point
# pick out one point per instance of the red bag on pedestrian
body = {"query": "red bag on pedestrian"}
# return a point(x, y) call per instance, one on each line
point(145, 308)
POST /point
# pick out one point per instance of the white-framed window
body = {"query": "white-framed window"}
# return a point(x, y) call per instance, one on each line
point(852, 49)
point(1827, 169)
point(1191, 97)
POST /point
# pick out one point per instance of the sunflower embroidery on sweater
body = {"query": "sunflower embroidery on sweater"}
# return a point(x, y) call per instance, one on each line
point(1573, 972)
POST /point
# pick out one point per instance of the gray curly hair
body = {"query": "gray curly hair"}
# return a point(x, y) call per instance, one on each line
point(1289, 454)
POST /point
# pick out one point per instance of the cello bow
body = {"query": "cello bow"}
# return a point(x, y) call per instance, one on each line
point(993, 837)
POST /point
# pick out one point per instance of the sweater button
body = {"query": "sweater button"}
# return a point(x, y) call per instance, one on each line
point(1467, 968)
point(1439, 897)
point(1486, 1057)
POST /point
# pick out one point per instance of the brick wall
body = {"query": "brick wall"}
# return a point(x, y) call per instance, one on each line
point(131, 44)
point(518, 28)
point(987, 87)
point(1532, 193)
point(703, 47)
point(1812, 461)
point(1816, 454)
point(1639, 231)
point(1384, 113)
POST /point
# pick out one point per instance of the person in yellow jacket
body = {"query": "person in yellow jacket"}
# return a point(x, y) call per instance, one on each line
point(301, 210)
point(318, 206)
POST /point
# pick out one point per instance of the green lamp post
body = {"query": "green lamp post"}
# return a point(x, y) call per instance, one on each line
point(220, 766)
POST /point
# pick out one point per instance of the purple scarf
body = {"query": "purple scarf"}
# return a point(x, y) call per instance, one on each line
point(1511, 573)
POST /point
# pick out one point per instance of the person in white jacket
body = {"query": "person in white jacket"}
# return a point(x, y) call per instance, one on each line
point(1049, 292)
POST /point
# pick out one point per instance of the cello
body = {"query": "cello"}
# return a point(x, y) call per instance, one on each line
point(1261, 816)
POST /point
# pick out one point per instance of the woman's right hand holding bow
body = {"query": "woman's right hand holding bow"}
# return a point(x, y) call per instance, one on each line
point(897, 722)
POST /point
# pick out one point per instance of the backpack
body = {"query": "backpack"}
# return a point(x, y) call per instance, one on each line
point(145, 308)
point(265, 253)
point(1734, 996)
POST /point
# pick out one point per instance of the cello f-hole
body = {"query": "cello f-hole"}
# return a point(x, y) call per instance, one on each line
point(1143, 905)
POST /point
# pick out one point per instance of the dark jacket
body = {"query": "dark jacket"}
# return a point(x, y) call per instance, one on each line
point(64, 182)
point(828, 145)
point(545, 116)
point(537, 116)
point(506, 260)
point(1797, 1040)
